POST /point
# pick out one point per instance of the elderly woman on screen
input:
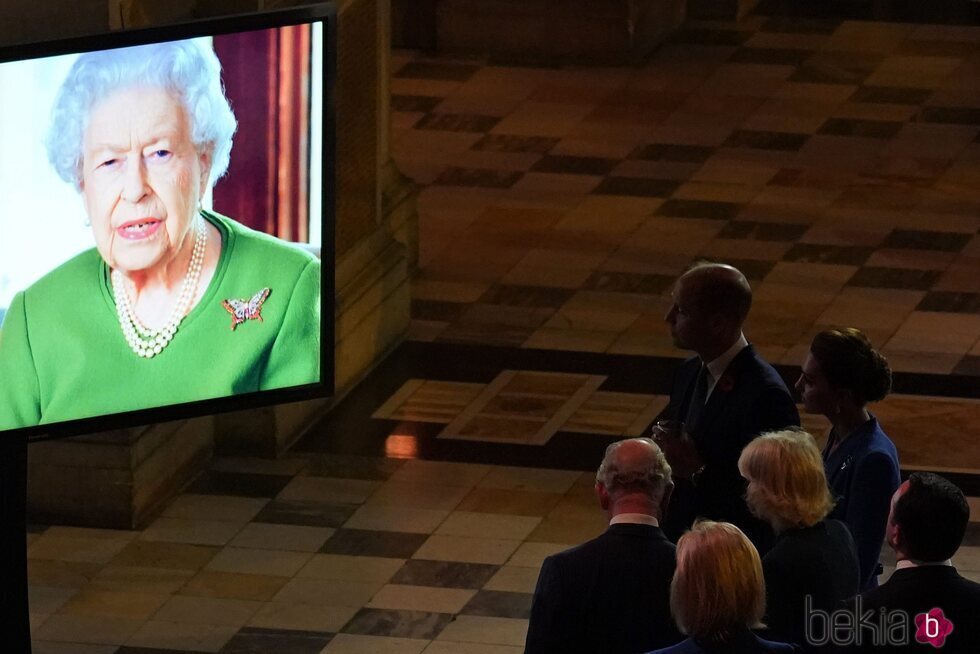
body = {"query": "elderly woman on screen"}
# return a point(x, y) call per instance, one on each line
point(174, 303)
point(812, 557)
point(718, 593)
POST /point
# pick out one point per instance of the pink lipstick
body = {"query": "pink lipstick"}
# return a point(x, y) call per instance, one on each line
point(142, 228)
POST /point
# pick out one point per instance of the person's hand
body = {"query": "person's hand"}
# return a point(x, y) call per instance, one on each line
point(678, 447)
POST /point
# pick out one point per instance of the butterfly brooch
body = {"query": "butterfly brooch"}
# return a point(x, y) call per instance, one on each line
point(242, 310)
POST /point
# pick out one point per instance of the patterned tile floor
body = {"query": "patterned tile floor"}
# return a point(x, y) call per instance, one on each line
point(836, 162)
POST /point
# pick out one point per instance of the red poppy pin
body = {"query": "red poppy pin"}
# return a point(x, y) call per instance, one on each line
point(726, 383)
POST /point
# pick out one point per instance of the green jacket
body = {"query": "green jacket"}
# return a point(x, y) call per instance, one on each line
point(63, 355)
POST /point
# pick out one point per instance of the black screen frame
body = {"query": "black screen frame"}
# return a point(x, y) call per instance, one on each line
point(326, 13)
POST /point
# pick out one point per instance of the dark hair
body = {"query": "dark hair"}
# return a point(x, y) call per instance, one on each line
point(721, 289)
point(849, 361)
point(932, 516)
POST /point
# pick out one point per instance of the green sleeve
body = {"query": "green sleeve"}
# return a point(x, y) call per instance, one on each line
point(295, 356)
point(20, 401)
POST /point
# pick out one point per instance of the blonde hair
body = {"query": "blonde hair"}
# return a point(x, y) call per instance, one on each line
point(718, 586)
point(787, 483)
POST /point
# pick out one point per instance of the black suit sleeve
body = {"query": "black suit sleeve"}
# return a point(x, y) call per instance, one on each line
point(547, 624)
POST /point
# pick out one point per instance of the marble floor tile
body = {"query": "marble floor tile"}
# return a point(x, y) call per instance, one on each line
point(490, 525)
point(284, 641)
point(328, 490)
point(328, 592)
point(48, 599)
point(233, 585)
point(398, 623)
point(396, 518)
point(419, 495)
point(214, 507)
point(186, 609)
point(113, 604)
point(487, 630)
point(529, 479)
point(60, 545)
point(467, 549)
point(363, 542)
point(61, 574)
point(305, 513)
point(499, 604)
point(363, 569)
point(258, 561)
point(513, 578)
point(531, 555)
point(421, 598)
point(180, 636)
point(198, 532)
point(297, 538)
point(49, 647)
point(171, 556)
point(305, 617)
point(448, 647)
point(444, 574)
point(509, 502)
point(87, 629)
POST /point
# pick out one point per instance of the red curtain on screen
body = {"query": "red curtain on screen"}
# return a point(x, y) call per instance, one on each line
point(267, 79)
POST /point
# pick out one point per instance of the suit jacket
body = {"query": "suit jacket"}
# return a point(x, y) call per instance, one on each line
point(918, 590)
point(863, 474)
point(748, 399)
point(610, 595)
point(819, 562)
point(745, 642)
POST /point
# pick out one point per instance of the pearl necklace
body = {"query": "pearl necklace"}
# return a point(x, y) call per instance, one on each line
point(146, 342)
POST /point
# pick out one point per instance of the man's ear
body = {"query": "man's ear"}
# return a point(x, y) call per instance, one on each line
point(603, 495)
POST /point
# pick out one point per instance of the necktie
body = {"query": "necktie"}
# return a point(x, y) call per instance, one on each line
point(698, 397)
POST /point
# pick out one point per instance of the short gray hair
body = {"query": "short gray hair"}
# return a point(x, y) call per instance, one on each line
point(188, 69)
point(648, 474)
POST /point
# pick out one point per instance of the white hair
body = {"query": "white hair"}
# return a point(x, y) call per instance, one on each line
point(188, 69)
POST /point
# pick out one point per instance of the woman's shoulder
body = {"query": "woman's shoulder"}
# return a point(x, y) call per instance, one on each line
point(77, 276)
point(253, 244)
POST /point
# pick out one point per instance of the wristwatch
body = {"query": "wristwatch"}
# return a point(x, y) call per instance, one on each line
point(696, 475)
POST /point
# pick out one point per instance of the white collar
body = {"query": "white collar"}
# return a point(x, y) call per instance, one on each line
point(634, 519)
point(909, 563)
point(717, 367)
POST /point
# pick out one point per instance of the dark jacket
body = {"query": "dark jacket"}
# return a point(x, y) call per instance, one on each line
point(818, 562)
point(745, 642)
point(748, 399)
point(863, 474)
point(609, 595)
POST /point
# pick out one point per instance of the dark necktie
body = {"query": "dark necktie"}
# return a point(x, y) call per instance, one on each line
point(698, 398)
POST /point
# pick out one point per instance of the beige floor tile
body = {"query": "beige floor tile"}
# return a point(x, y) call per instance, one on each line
point(531, 555)
point(466, 549)
point(158, 634)
point(510, 502)
point(513, 579)
point(362, 569)
point(479, 629)
point(396, 518)
point(289, 464)
point(325, 489)
point(967, 559)
point(235, 585)
point(355, 644)
point(927, 331)
point(48, 599)
point(327, 592)
point(584, 319)
point(259, 535)
point(255, 561)
point(572, 340)
point(186, 609)
point(214, 507)
point(198, 532)
point(67, 574)
point(137, 579)
point(444, 472)
point(529, 479)
point(488, 525)
point(304, 617)
point(35, 620)
point(87, 629)
point(421, 598)
point(78, 549)
point(113, 604)
point(418, 495)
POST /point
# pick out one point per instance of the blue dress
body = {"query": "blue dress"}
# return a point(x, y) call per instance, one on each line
point(863, 473)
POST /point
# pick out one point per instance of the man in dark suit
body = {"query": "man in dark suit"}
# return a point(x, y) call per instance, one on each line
point(926, 525)
point(726, 395)
point(612, 594)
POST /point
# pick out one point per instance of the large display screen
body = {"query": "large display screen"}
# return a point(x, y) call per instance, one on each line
point(166, 222)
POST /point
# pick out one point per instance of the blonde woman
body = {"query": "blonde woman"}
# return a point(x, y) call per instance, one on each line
point(718, 593)
point(814, 561)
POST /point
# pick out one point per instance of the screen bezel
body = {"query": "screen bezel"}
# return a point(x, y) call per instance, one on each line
point(325, 13)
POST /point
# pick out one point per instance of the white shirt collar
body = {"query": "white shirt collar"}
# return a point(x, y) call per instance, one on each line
point(717, 367)
point(909, 563)
point(634, 519)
